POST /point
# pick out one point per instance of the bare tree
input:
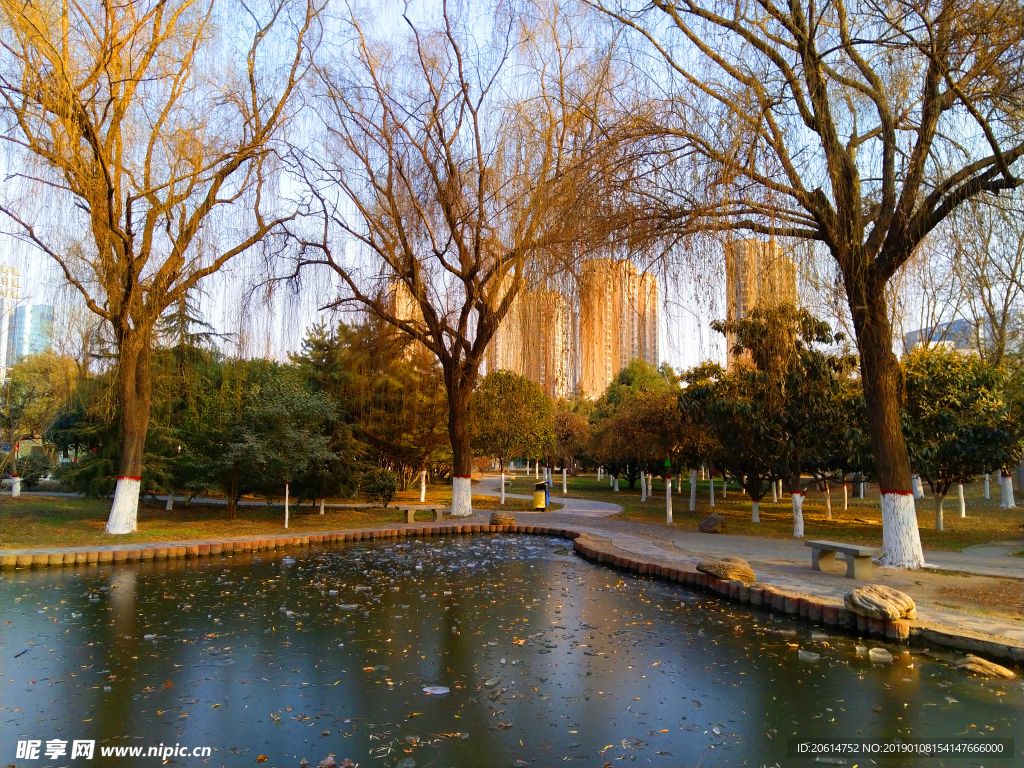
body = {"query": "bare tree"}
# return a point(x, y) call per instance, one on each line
point(461, 161)
point(861, 125)
point(140, 128)
point(988, 251)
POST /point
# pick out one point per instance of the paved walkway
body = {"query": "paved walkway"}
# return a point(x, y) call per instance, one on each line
point(787, 563)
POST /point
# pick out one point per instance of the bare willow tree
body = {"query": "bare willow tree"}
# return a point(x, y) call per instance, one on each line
point(860, 125)
point(137, 123)
point(988, 257)
point(461, 157)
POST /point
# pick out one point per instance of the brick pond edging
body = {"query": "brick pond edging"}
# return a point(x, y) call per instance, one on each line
point(812, 609)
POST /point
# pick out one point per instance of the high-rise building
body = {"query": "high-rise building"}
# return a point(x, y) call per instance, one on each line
point(404, 306)
point(618, 321)
point(30, 331)
point(10, 295)
point(532, 340)
point(757, 273)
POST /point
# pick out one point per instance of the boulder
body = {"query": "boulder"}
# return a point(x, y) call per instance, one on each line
point(729, 569)
point(878, 602)
point(713, 523)
point(502, 518)
point(978, 666)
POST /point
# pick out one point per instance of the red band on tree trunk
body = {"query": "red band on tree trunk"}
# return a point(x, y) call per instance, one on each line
point(798, 493)
point(129, 477)
point(464, 477)
point(15, 477)
point(898, 493)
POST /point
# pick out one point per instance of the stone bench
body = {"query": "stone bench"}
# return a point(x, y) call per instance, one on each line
point(410, 510)
point(858, 559)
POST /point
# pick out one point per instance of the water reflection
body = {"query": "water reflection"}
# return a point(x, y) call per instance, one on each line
point(547, 659)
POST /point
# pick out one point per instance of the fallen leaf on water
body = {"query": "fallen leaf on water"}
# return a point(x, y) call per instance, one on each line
point(214, 706)
point(261, 759)
point(168, 684)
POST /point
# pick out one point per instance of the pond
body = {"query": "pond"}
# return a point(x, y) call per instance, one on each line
point(545, 658)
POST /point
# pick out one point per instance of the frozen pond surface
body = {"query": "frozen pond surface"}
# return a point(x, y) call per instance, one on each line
point(547, 660)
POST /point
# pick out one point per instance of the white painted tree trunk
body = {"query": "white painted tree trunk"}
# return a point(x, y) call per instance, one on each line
point(611, 481)
point(536, 470)
point(124, 511)
point(15, 485)
point(693, 490)
point(668, 500)
point(918, 487)
point(565, 485)
point(599, 473)
point(650, 485)
point(701, 471)
point(423, 483)
point(939, 499)
point(725, 486)
point(643, 487)
point(169, 506)
point(863, 488)
point(1006, 500)
point(616, 484)
point(321, 505)
point(286, 505)
point(503, 485)
point(960, 499)
point(846, 498)
point(901, 549)
point(775, 492)
point(798, 514)
point(987, 493)
point(462, 497)
point(711, 495)
point(828, 501)
point(755, 511)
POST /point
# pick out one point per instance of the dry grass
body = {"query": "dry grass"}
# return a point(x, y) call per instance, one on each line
point(51, 521)
point(861, 523)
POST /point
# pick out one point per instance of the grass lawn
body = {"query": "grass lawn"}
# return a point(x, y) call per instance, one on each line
point(52, 521)
point(861, 523)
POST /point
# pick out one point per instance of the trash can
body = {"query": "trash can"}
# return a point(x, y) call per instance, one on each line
point(540, 496)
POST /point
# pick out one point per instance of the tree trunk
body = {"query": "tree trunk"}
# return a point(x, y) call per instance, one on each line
point(798, 514)
point(462, 452)
point(668, 499)
point(616, 484)
point(987, 491)
point(134, 389)
point(828, 501)
point(503, 484)
point(846, 497)
point(650, 484)
point(286, 504)
point(1006, 500)
point(643, 487)
point(881, 379)
point(755, 511)
point(565, 487)
point(169, 506)
point(939, 498)
point(725, 486)
point(693, 490)
point(233, 496)
point(423, 483)
point(775, 492)
point(711, 484)
point(918, 487)
point(960, 499)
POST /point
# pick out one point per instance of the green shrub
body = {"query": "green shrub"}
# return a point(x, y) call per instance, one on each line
point(380, 486)
point(34, 468)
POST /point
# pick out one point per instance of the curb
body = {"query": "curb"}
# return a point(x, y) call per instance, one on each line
point(808, 608)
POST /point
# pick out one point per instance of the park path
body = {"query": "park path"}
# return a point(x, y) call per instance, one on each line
point(786, 564)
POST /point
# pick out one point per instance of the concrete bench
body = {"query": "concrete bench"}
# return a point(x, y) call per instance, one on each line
point(411, 509)
point(858, 559)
